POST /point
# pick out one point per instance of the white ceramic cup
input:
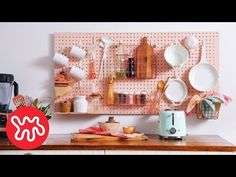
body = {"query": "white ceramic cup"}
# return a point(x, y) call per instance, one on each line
point(77, 73)
point(78, 52)
point(60, 59)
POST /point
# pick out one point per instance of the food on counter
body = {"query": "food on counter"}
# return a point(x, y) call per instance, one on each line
point(96, 134)
point(129, 129)
point(110, 125)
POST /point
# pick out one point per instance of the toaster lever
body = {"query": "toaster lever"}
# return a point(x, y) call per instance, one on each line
point(173, 119)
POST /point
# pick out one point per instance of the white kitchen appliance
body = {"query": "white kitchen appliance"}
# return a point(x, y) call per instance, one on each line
point(172, 124)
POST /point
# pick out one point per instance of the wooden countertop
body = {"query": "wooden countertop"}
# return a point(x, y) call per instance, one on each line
point(190, 143)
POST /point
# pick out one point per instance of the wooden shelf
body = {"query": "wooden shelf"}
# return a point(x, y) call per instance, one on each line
point(129, 105)
point(94, 113)
point(76, 113)
point(131, 78)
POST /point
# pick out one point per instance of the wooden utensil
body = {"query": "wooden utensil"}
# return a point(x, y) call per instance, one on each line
point(110, 92)
point(78, 137)
point(62, 91)
point(19, 101)
point(160, 92)
point(144, 57)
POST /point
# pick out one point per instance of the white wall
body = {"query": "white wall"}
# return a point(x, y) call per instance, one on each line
point(26, 50)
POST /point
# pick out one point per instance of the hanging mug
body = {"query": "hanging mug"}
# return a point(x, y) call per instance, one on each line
point(77, 73)
point(78, 52)
point(60, 59)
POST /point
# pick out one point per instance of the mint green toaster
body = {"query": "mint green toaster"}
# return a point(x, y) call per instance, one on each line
point(172, 124)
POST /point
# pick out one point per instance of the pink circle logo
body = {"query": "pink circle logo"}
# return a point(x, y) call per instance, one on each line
point(27, 127)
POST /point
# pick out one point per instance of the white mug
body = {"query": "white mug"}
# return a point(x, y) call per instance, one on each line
point(60, 59)
point(77, 73)
point(78, 52)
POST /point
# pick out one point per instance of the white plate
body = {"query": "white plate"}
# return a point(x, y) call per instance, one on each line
point(203, 77)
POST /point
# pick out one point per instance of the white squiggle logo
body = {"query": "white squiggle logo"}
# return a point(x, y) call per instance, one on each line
point(26, 132)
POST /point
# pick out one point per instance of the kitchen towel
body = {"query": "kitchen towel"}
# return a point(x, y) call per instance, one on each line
point(98, 131)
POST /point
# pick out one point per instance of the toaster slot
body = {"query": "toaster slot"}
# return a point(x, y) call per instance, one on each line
point(173, 119)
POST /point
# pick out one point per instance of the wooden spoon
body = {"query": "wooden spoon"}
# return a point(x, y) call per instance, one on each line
point(160, 89)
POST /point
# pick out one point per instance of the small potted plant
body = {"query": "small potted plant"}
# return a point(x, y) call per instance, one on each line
point(43, 106)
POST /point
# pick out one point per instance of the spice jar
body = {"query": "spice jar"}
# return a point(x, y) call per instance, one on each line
point(116, 98)
point(143, 97)
point(130, 73)
point(125, 98)
point(137, 98)
point(131, 98)
point(119, 98)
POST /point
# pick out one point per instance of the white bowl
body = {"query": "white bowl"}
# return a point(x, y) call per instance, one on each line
point(176, 55)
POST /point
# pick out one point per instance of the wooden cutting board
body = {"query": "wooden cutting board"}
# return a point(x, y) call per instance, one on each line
point(62, 91)
point(77, 137)
point(144, 58)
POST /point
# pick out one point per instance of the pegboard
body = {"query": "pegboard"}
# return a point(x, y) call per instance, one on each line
point(63, 42)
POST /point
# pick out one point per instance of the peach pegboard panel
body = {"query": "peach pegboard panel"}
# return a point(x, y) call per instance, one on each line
point(63, 42)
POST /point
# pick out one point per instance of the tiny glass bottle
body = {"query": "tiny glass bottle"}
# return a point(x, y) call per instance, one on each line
point(120, 62)
point(130, 71)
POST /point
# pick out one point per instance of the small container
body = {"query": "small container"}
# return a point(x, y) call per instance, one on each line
point(130, 73)
point(119, 98)
point(109, 126)
point(125, 98)
point(65, 106)
point(80, 104)
point(129, 130)
point(120, 61)
point(143, 97)
point(116, 98)
point(131, 98)
point(137, 98)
